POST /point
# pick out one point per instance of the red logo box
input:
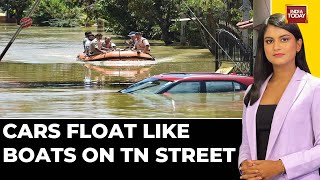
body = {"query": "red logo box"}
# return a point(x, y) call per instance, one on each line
point(297, 14)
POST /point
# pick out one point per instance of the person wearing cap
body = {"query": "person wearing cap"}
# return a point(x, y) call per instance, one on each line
point(96, 45)
point(142, 44)
point(131, 41)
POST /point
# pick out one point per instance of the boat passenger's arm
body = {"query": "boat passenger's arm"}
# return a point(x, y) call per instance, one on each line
point(146, 49)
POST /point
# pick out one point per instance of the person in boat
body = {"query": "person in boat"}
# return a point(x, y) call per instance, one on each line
point(96, 46)
point(141, 44)
point(131, 41)
point(85, 39)
point(91, 37)
point(108, 45)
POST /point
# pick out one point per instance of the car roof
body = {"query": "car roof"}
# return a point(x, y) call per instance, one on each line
point(198, 76)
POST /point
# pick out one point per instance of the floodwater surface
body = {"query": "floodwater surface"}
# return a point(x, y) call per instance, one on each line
point(41, 78)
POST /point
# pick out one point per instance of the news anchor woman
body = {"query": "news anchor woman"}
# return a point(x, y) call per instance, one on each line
point(281, 115)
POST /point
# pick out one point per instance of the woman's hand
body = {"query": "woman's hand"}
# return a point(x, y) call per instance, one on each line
point(264, 169)
point(248, 172)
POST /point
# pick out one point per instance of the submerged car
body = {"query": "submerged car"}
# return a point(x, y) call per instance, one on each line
point(172, 83)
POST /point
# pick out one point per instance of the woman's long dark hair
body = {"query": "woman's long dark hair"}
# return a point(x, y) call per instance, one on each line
point(263, 68)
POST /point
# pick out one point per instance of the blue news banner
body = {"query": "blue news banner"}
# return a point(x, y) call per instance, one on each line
point(210, 145)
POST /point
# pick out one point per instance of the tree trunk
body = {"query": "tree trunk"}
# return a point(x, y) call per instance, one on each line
point(19, 15)
point(166, 35)
point(212, 28)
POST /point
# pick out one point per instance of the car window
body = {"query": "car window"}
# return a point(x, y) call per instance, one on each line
point(221, 86)
point(149, 85)
point(185, 87)
point(237, 86)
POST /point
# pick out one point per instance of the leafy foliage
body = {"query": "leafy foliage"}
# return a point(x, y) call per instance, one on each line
point(58, 13)
point(212, 15)
point(152, 17)
point(15, 7)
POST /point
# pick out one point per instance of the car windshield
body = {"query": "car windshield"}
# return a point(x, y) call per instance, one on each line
point(149, 85)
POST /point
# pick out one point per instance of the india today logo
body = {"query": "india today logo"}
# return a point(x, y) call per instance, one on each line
point(297, 14)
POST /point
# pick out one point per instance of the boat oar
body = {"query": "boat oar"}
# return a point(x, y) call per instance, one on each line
point(22, 25)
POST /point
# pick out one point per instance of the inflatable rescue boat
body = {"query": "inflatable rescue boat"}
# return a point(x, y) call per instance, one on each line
point(118, 55)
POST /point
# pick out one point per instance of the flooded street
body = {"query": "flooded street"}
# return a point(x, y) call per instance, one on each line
point(41, 78)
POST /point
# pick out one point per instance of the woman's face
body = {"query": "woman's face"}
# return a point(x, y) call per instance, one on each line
point(280, 46)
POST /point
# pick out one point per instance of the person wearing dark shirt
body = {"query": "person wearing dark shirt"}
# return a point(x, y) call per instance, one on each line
point(281, 115)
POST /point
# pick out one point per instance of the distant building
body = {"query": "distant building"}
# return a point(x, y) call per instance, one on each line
point(2, 16)
point(6, 18)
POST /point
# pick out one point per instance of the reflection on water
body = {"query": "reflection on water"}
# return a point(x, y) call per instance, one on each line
point(95, 102)
point(116, 74)
point(40, 78)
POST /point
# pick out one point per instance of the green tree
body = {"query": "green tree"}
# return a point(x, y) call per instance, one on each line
point(212, 14)
point(91, 8)
point(160, 12)
point(118, 16)
point(15, 7)
point(57, 13)
point(148, 16)
point(49, 9)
